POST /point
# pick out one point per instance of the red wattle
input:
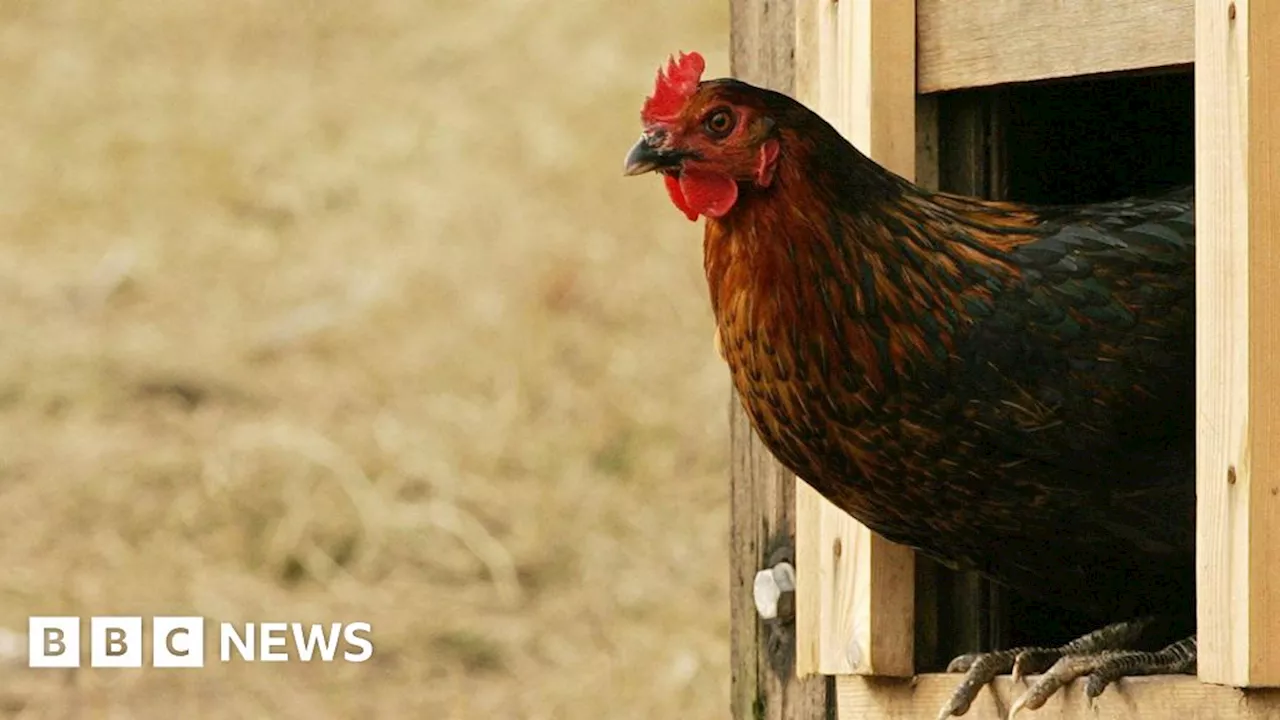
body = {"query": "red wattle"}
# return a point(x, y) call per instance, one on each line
point(707, 193)
point(677, 196)
point(697, 192)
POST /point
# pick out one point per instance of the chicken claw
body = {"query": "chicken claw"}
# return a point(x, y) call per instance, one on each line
point(981, 668)
point(1106, 667)
point(1180, 658)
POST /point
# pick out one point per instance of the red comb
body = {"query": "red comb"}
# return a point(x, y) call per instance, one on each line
point(676, 84)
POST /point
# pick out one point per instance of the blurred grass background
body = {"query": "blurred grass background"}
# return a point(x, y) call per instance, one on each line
point(321, 311)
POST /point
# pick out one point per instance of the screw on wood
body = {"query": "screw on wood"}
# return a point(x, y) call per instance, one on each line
point(780, 630)
point(1231, 474)
point(770, 586)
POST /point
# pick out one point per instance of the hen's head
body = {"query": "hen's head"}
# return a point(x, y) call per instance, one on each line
point(706, 138)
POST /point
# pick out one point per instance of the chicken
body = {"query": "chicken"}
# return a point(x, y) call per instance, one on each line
point(1003, 387)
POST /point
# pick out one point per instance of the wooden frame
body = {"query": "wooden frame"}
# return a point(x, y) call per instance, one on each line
point(854, 65)
point(862, 63)
point(762, 39)
point(967, 44)
point(1238, 338)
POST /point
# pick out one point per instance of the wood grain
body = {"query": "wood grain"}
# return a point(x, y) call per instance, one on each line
point(855, 609)
point(1238, 341)
point(762, 41)
point(1263, 486)
point(963, 43)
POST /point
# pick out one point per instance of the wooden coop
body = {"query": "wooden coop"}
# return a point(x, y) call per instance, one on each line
point(1036, 100)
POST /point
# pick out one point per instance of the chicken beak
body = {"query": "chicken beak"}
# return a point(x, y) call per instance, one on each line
point(644, 158)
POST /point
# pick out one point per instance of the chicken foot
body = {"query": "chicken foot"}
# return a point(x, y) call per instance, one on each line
point(1106, 667)
point(1103, 655)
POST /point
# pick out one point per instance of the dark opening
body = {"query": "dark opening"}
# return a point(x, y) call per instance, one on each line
point(1061, 142)
point(1099, 140)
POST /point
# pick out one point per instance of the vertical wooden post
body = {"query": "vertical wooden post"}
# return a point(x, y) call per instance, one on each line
point(1237, 77)
point(855, 605)
point(762, 41)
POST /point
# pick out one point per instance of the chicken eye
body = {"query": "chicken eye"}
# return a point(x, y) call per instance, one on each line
point(719, 123)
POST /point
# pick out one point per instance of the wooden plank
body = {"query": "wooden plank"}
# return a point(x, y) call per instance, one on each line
point(764, 687)
point(855, 608)
point(963, 43)
point(809, 620)
point(762, 43)
point(1237, 77)
point(1146, 698)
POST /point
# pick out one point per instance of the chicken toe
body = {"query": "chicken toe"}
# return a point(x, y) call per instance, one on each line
point(981, 668)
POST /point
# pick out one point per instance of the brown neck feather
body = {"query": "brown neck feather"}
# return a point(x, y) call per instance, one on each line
point(877, 271)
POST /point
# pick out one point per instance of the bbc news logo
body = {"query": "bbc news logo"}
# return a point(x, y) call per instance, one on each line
point(179, 642)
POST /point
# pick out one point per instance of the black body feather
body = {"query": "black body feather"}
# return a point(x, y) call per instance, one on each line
point(1006, 388)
